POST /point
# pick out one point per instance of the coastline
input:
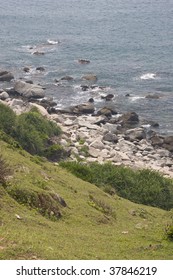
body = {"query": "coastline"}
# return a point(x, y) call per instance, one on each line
point(97, 136)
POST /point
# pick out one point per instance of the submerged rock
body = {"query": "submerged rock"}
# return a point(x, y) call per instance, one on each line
point(84, 61)
point(90, 77)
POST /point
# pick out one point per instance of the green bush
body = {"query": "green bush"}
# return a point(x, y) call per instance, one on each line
point(7, 119)
point(169, 231)
point(4, 170)
point(33, 132)
point(142, 186)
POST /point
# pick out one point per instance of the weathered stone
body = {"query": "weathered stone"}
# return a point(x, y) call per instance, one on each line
point(6, 76)
point(157, 140)
point(108, 97)
point(29, 90)
point(152, 96)
point(40, 68)
point(84, 61)
point(110, 137)
point(67, 78)
point(90, 77)
point(108, 112)
point(38, 53)
point(40, 108)
point(85, 108)
point(135, 134)
point(98, 144)
point(26, 69)
point(93, 152)
point(4, 95)
point(129, 119)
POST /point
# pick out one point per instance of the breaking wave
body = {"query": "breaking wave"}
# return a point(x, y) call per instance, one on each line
point(148, 76)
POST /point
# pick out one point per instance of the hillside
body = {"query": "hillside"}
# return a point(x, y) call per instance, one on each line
point(47, 213)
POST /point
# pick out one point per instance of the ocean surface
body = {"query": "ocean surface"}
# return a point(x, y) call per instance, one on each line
point(129, 44)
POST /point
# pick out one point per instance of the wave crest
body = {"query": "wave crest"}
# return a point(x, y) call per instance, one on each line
point(148, 76)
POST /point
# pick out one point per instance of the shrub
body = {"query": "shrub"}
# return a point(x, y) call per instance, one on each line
point(55, 152)
point(7, 119)
point(169, 231)
point(142, 186)
point(4, 170)
point(33, 132)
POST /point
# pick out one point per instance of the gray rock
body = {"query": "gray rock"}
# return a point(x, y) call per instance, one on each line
point(90, 77)
point(157, 140)
point(135, 134)
point(93, 152)
point(6, 76)
point(84, 61)
point(110, 137)
point(98, 144)
point(29, 90)
point(4, 95)
point(67, 78)
point(129, 119)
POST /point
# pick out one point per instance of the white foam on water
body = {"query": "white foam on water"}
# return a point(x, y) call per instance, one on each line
point(52, 42)
point(148, 76)
point(135, 98)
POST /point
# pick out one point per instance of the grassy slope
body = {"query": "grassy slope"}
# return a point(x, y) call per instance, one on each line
point(84, 231)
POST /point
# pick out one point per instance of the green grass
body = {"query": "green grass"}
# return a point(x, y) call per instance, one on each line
point(94, 225)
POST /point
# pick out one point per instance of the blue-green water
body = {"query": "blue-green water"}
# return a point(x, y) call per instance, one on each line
point(129, 44)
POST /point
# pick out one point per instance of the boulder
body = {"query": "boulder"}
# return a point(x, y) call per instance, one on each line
point(108, 97)
point(26, 69)
point(152, 96)
point(85, 108)
point(41, 109)
point(157, 140)
point(40, 68)
point(4, 95)
point(168, 143)
point(108, 112)
point(129, 119)
point(135, 134)
point(110, 137)
point(38, 53)
point(6, 76)
point(29, 90)
point(83, 61)
point(67, 78)
point(90, 77)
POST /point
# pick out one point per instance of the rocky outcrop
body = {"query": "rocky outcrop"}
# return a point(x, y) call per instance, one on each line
point(29, 90)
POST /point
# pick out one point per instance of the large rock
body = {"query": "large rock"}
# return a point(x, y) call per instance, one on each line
point(108, 112)
point(129, 119)
point(110, 137)
point(29, 90)
point(4, 95)
point(168, 143)
point(6, 76)
point(90, 77)
point(85, 108)
point(157, 140)
point(135, 134)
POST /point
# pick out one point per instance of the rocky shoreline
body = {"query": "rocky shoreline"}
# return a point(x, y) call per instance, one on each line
point(96, 136)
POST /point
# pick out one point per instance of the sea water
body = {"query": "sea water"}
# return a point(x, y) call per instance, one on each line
point(129, 44)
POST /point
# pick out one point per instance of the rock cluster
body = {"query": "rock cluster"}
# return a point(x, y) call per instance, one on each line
point(92, 140)
point(90, 135)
